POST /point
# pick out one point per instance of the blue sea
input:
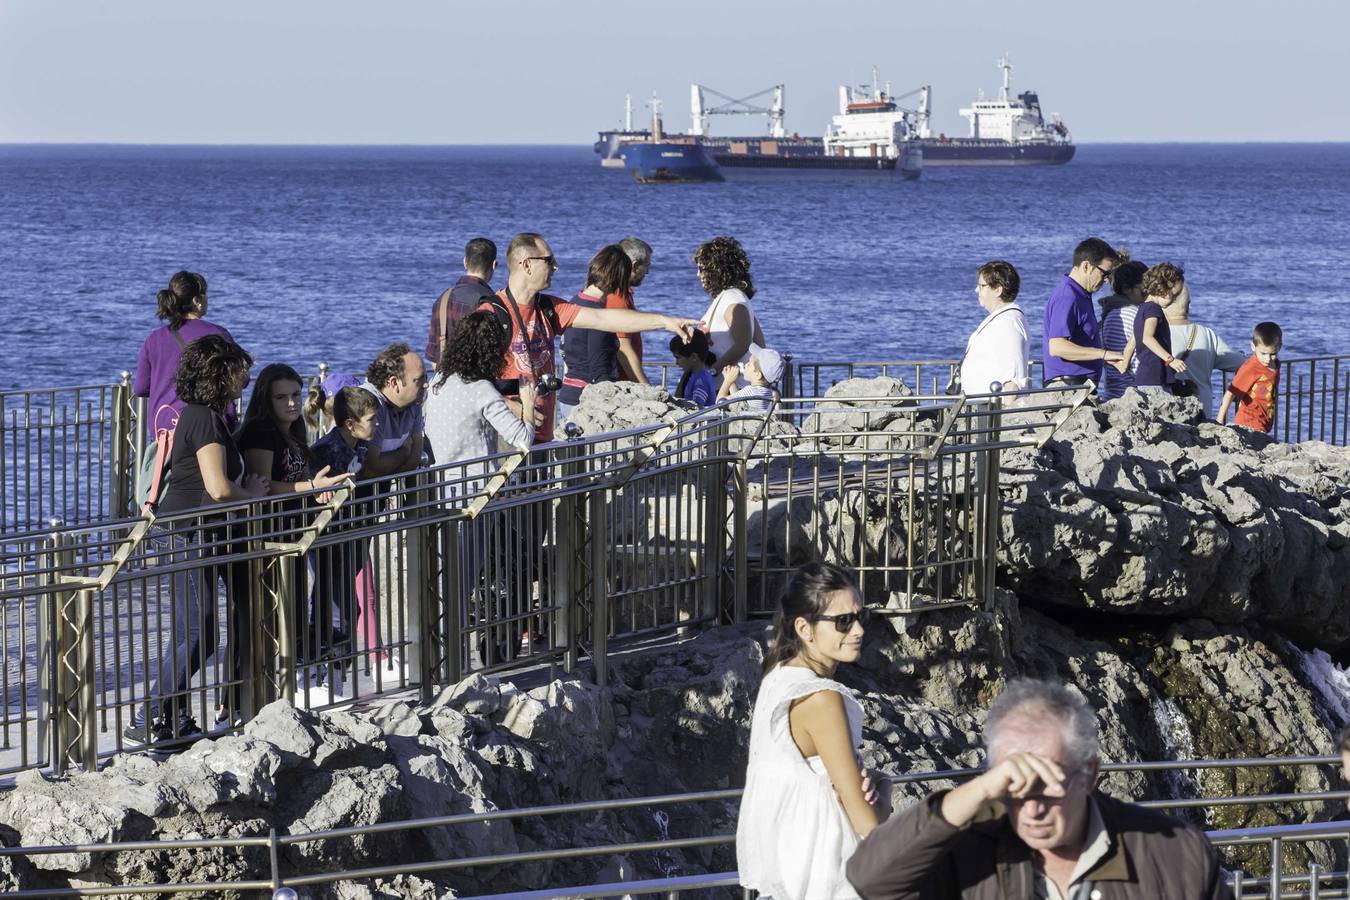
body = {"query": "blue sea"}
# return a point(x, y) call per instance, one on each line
point(328, 253)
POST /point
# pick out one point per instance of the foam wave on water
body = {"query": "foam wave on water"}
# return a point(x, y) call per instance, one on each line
point(1330, 680)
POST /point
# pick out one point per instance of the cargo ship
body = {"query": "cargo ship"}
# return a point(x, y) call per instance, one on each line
point(1003, 132)
point(870, 133)
point(1008, 131)
point(659, 160)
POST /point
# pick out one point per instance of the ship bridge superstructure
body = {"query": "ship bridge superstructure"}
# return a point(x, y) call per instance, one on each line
point(1017, 120)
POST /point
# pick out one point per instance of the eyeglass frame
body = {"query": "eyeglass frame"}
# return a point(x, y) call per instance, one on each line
point(843, 623)
point(550, 259)
point(1106, 273)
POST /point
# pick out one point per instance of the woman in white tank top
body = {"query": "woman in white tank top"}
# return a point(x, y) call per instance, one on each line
point(807, 803)
point(724, 272)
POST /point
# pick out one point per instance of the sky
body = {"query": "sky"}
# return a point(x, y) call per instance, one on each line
point(554, 72)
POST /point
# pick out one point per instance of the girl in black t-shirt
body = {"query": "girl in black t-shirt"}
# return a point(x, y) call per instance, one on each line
point(207, 469)
point(272, 436)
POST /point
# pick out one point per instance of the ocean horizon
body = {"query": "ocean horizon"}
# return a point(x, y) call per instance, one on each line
point(325, 253)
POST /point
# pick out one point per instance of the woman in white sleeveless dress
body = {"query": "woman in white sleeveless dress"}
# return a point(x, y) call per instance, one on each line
point(807, 803)
point(724, 272)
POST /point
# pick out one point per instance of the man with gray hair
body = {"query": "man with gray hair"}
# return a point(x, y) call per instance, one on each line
point(1032, 826)
point(630, 345)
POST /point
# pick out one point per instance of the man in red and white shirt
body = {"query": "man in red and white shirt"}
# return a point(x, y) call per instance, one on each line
point(537, 318)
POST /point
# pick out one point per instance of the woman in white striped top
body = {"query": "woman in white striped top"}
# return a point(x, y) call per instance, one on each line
point(1117, 324)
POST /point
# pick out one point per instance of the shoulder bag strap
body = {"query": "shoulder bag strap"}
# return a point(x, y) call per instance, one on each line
point(514, 309)
point(163, 450)
point(444, 315)
point(1190, 345)
point(182, 344)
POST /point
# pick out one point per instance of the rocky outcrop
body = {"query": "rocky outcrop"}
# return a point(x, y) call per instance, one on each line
point(1141, 507)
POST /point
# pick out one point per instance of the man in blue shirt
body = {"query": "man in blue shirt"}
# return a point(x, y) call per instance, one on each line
point(1073, 349)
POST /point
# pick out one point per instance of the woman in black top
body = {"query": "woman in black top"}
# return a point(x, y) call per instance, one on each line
point(274, 443)
point(207, 468)
point(592, 356)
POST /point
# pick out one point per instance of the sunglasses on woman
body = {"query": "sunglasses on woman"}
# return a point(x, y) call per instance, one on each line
point(843, 622)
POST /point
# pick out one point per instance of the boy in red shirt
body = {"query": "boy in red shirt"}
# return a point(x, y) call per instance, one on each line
point(1256, 383)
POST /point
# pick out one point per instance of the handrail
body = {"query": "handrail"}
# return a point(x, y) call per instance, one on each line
point(671, 886)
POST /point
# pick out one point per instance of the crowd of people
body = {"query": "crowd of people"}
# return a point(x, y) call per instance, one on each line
point(809, 825)
point(1142, 337)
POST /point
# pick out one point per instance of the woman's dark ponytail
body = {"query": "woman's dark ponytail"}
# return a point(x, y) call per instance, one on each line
point(807, 595)
point(176, 302)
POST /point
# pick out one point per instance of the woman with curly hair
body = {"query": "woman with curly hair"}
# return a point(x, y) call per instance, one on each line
point(464, 417)
point(724, 272)
point(207, 469)
point(464, 412)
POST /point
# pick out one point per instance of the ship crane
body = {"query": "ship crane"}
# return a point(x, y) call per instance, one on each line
point(735, 106)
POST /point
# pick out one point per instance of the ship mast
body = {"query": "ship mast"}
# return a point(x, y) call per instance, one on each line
point(1007, 77)
point(628, 112)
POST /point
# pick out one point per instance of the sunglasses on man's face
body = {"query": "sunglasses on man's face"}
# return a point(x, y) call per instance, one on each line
point(843, 622)
point(552, 262)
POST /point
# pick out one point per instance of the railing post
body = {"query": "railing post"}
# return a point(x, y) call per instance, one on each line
point(599, 552)
point(1276, 869)
point(258, 691)
point(453, 600)
point(120, 477)
point(570, 558)
point(138, 442)
point(740, 557)
point(272, 630)
point(713, 491)
point(1312, 398)
point(989, 500)
point(83, 703)
point(67, 715)
point(1314, 882)
point(286, 604)
point(421, 549)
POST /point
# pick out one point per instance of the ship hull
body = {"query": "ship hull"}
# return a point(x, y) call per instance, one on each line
point(756, 161)
point(667, 163)
point(616, 148)
point(994, 153)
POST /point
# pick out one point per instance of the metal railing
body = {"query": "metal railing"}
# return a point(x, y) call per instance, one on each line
point(1280, 880)
point(201, 618)
point(72, 453)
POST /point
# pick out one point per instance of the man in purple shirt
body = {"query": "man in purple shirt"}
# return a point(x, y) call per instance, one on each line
point(1073, 349)
point(466, 295)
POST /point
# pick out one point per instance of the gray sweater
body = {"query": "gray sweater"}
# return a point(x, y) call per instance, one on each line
point(463, 419)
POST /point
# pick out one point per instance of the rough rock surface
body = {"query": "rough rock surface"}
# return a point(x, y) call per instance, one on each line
point(621, 405)
point(1140, 507)
point(1172, 570)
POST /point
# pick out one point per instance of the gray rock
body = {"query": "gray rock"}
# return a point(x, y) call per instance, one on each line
point(477, 695)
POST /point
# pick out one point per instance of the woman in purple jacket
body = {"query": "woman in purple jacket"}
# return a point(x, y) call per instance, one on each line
point(182, 305)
